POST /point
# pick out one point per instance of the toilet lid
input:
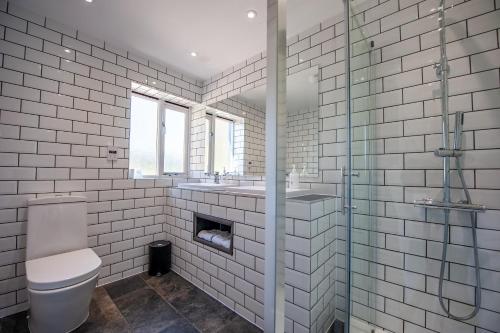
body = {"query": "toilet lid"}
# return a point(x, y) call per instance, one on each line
point(62, 270)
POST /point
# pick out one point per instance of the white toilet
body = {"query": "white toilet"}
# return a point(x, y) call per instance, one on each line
point(60, 268)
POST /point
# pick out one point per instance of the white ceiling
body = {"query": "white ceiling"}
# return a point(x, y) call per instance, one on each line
point(168, 30)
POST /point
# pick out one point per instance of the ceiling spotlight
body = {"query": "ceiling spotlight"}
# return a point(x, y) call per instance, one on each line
point(251, 14)
point(89, 1)
point(67, 51)
point(194, 54)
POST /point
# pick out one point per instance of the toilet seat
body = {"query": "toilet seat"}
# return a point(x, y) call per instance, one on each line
point(62, 270)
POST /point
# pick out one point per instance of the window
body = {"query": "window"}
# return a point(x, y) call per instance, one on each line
point(143, 136)
point(208, 143)
point(219, 143)
point(174, 157)
point(158, 137)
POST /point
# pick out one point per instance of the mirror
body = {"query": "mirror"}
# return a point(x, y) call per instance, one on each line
point(302, 124)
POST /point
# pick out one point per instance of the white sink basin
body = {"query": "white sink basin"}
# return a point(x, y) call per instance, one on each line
point(255, 190)
point(204, 186)
point(248, 189)
point(261, 190)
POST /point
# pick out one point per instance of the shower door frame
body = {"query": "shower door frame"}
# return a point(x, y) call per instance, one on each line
point(274, 277)
point(347, 181)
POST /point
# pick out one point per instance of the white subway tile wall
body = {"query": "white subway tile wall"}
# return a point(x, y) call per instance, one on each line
point(58, 113)
point(303, 141)
point(237, 280)
point(396, 246)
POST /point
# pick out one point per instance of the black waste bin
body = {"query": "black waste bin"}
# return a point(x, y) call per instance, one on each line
point(159, 257)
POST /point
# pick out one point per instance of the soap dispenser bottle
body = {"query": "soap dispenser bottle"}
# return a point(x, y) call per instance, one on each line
point(294, 178)
point(303, 173)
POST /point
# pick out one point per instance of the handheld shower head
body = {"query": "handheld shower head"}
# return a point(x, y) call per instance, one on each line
point(457, 133)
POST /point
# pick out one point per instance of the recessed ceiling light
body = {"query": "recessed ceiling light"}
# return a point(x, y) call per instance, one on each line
point(67, 51)
point(89, 1)
point(251, 14)
point(193, 54)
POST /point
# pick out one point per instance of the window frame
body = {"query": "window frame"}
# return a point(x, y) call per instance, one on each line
point(210, 154)
point(160, 136)
point(161, 123)
point(209, 151)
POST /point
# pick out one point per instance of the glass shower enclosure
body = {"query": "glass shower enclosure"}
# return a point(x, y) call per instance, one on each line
point(360, 175)
point(409, 148)
point(417, 255)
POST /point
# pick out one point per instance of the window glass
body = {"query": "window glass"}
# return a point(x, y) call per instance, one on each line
point(175, 141)
point(223, 145)
point(143, 135)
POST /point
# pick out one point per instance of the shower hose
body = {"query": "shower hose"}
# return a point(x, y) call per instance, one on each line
point(473, 216)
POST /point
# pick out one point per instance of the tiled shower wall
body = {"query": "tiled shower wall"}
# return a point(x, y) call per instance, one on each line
point(59, 111)
point(396, 105)
point(396, 246)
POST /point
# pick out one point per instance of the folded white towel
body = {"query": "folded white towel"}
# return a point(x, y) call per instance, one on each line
point(225, 243)
point(222, 239)
point(206, 235)
point(219, 237)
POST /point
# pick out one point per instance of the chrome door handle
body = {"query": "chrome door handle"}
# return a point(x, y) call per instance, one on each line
point(342, 201)
point(342, 195)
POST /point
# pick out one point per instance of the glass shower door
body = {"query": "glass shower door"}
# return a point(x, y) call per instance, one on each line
point(416, 77)
point(360, 175)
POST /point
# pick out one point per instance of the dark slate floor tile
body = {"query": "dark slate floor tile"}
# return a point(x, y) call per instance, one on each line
point(239, 324)
point(146, 311)
point(104, 315)
point(144, 304)
point(180, 326)
point(16, 323)
point(125, 286)
point(169, 286)
point(337, 327)
point(207, 314)
point(203, 311)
